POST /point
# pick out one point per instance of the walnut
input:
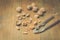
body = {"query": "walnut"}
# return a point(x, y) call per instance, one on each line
point(19, 9)
point(29, 7)
point(35, 9)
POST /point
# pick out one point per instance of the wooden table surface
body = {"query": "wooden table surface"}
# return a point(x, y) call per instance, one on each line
point(8, 19)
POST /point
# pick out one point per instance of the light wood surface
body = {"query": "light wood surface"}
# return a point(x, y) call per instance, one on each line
point(8, 19)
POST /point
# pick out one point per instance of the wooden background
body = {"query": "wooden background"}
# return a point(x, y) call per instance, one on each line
point(8, 14)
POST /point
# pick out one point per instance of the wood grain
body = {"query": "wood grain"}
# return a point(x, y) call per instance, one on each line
point(8, 19)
